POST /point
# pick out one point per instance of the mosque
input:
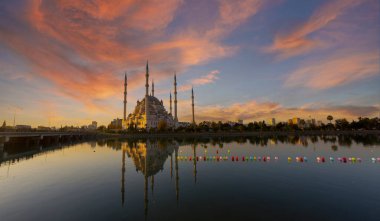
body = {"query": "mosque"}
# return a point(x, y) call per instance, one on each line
point(150, 111)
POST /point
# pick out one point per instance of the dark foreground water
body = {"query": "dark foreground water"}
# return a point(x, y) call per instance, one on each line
point(156, 180)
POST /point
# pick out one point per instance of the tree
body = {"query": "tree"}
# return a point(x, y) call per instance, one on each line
point(302, 123)
point(102, 128)
point(214, 126)
point(250, 126)
point(330, 118)
point(162, 125)
point(342, 124)
point(4, 125)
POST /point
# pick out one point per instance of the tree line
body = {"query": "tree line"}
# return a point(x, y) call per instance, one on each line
point(207, 126)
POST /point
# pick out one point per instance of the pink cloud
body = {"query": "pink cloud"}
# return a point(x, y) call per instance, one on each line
point(299, 41)
point(83, 47)
point(335, 70)
point(234, 13)
point(209, 78)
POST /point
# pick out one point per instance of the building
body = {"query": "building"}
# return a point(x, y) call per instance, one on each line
point(93, 125)
point(116, 124)
point(310, 123)
point(23, 127)
point(183, 124)
point(43, 128)
point(272, 122)
point(150, 111)
point(296, 120)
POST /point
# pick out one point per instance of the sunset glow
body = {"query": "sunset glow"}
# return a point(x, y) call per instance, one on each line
point(62, 62)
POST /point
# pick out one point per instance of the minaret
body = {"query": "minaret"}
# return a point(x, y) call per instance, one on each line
point(171, 113)
point(192, 104)
point(125, 97)
point(147, 79)
point(147, 95)
point(175, 98)
point(152, 87)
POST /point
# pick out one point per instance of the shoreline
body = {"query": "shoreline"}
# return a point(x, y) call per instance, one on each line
point(245, 134)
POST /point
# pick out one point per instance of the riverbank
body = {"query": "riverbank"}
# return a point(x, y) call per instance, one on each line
point(246, 134)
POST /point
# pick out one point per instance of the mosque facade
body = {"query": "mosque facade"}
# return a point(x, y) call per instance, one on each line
point(149, 112)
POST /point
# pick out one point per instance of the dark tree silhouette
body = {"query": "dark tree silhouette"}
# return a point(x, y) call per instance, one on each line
point(330, 118)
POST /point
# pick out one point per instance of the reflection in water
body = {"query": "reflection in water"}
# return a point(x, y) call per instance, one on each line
point(149, 158)
point(123, 177)
point(280, 188)
point(195, 163)
point(176, 174)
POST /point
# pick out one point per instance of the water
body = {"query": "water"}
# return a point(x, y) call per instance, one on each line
point(140, 180)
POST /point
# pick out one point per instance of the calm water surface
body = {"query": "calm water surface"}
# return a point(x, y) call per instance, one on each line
point(155, 180)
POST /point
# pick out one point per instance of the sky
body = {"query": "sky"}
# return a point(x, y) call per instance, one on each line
point(62, 62)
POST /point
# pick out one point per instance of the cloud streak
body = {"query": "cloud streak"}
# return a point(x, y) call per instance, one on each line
point(300, 40)
point(335, 70)
point(209, 78)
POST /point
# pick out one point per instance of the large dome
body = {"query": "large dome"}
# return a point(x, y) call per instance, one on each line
point(156, 107)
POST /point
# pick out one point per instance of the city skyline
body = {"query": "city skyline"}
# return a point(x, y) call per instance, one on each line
point(63, 63)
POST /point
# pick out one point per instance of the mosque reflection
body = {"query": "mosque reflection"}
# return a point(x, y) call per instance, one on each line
point(149, 158)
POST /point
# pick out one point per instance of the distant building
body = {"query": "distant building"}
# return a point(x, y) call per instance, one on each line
point(116, 124)
point(310, 123)
point(93, 125)
point(232, 123)
point(43, 128)
point(296, 120)
point(183, 124)
point(23, 127)
point(271, 122)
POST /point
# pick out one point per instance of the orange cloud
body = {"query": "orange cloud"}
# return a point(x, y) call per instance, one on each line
point(191, 50)
point(339, 69)
point(83, 47)
point(299, 41)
